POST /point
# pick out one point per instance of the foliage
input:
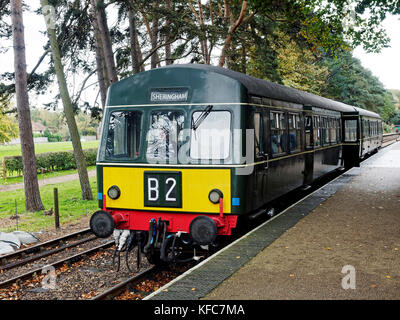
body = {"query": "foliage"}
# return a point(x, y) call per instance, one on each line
point(299, 68)
point(8, 126)
point(396, 97)
point(52, 137)
point(349, 82)
point(51, 161)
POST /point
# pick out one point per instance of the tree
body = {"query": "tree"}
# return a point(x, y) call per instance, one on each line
point(348, 81)
point(297, 66)
point(100, 14)
point(33, 201)
point(68, 108)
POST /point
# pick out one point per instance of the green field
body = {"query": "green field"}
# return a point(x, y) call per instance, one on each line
point(15, 150)
point(71, 206)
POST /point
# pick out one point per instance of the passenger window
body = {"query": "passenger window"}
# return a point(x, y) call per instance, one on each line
point(294, 132)
point(350, 130)
point(325, 133)
point(308, 128)
point(317, 132)
point(365, 129)
point(278, 133)
point(332, 123)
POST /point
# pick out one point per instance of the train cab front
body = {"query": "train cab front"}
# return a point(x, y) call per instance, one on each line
point(151, 198)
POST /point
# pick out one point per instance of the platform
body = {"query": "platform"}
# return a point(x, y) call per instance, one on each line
point(350, 225)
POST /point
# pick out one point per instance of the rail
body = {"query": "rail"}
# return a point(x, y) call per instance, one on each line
point(389, 138)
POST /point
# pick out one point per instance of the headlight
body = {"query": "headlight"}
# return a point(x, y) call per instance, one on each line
point(114, 192)
point(215, 195)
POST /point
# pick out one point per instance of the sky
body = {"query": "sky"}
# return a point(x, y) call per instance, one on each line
point(384, 65)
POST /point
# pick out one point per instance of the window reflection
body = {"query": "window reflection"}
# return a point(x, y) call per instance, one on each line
point(123, 136)
point(163, 134)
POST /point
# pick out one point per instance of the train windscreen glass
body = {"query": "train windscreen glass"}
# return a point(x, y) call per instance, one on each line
point(163, 135)
point(123, 136)
point(211, 139)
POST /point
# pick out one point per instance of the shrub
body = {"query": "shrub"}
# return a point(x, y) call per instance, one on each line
point(50, 161)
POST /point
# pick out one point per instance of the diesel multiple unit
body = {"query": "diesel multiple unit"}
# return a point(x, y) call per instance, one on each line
point(187, 151)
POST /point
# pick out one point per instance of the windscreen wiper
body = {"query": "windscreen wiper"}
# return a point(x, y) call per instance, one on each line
point(201, 118)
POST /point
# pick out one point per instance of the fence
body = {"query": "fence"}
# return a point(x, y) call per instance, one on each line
point(35, 140)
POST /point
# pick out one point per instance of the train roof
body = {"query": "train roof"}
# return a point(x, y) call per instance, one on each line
point(264, 88)
point(215, 84)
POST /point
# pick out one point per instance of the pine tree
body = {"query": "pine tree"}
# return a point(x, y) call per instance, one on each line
point(33, 201)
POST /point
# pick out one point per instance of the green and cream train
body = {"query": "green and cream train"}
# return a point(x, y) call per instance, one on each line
point(187, 150)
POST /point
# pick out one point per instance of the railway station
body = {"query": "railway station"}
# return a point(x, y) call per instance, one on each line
point(340, 242)
point(208, 151)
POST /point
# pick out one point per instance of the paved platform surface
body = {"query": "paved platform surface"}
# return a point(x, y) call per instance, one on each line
point(352, 223)
point(358, 226)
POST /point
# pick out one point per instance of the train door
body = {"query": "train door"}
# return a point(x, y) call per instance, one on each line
point(260, 159)
point(351, 135)
point(309, 146)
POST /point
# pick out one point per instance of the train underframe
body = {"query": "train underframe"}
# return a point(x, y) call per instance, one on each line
point(163, 237)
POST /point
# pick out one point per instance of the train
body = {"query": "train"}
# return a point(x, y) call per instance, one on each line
point(188, 151)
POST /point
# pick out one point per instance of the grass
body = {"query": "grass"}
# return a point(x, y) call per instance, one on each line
point(15, 150)
point(46, 175)
point(71, 206)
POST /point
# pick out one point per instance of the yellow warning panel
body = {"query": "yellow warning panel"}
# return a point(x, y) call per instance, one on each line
point(169, 189)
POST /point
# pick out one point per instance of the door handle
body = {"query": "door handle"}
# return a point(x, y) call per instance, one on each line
point(266, 162)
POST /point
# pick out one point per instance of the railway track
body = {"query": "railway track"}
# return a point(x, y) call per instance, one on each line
point(143, 283)
point(114, 291)
point(56, 264)
point(389, 138)
point(44, 249)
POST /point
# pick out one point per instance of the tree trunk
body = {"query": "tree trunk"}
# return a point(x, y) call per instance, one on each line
point(168, 60)
point(33, 201)
point(154, 36)
point(233, 26)
point(134, 44)
point(100, 75)
point(101, 68)
point(98, 7)
point(69, 113)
